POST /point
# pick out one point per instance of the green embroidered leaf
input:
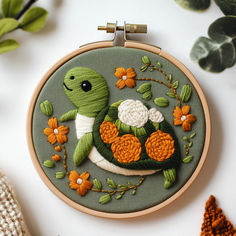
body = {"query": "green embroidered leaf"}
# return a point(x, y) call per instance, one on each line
point(111, 183)
point(190, 144)
point(134, 192)
point(8, 45)
point(7, 25)
point(34, 19)
point(185, 93)
point(46, 108)
point(159, 64)
point(192, 135)
point(170, 77)
point(124, 127)
point(176, 84)
point(147, 95)
point(108, 118)
point(105, 199)
point(130, 184)
point(140, 131)
point(60, 175)
point(228, 7)
point(144, 88)
point(146, 60)
point(118, 124)
point(217, 52)
point(161, 102)
point(170, 94)
point(10, 8)
point(156, 125)
point(143, 68)
point(70, 115)
point(187, 159)
point(83, 148)
point(194, 5)
point(117, 104)
point(118, 197)
point(170, 176)
point(49, 163)
point(97, 183)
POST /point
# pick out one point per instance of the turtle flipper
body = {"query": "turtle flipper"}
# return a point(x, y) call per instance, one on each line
point(83, 148)
point(170, 176)
point(70, 115)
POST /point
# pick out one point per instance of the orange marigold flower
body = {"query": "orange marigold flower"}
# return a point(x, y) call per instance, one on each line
point(182, 117)
point(160, 146)
point(55, 133)
point(126, 148)
point(108, 132)
point(80, 182)
point(126, 77)
point(56, 158)
point(57, 148)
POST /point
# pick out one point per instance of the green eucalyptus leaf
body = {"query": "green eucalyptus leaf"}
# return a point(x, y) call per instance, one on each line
point(8, 45)
point(7, 25)
point(194, 5)
point(161, 102)
point(10, 8)
point(218, 52)
point(34, 19)
point(228, 7)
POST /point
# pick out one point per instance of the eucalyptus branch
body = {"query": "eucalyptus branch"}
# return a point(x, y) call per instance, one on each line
point(25, 8)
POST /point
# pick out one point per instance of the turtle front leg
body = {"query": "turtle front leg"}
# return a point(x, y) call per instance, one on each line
point(170, 176)
point(83, 148)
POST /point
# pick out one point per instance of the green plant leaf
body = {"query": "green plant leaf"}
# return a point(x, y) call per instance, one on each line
point(34, 19)
point(10, 8)
point(228, 7)
point(218, 52)
point(7, 25)
point(194, 5)
point(170, 94)
point(8, 45)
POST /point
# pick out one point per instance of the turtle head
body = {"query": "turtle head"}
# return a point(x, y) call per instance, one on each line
point(86, 89)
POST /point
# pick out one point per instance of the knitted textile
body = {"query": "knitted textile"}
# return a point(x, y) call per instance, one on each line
point(11, 219)
point(215, 222)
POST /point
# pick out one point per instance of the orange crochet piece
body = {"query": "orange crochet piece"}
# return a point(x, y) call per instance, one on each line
point(108, 132)
point(57, 148)
point(126, 77)
point(126, 148)
point(80, 182)
point(215, 223)
point(56, 158)
point(55, 133)
point(182, 117)
point(160, 146)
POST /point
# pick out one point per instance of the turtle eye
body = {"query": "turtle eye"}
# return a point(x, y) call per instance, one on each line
point(72, 77)
point(86, 86)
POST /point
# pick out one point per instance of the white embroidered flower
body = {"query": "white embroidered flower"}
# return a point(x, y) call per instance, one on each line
point(133, 113)
point(155, 115)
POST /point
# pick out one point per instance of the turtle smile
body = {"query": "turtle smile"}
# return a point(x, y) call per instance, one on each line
point(67, 87)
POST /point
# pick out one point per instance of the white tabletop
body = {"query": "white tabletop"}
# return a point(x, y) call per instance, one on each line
point(71, 24)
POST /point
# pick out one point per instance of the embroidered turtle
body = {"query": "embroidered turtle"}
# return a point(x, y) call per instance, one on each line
point(127, 137)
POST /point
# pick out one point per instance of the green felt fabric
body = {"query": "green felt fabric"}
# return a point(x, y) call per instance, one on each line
point(104, 61)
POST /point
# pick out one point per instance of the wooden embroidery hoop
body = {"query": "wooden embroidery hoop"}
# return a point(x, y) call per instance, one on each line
point(127, 44)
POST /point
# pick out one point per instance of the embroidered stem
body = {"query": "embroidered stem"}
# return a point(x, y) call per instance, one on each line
point(121, 191)
point(64, 160)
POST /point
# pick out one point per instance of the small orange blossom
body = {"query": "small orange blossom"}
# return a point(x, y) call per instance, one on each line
point(80, 182)
point(55, 133)
point(126, 77)
point(182, 117)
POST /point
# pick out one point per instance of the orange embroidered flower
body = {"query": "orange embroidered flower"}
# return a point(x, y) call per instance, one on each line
point(183, 118)
point(56, 158)
point(160, 146)
point(55, 133)
point(80, 182)
point(126, 77)
point(108, 132)
point(57, 148)
point(126, 148)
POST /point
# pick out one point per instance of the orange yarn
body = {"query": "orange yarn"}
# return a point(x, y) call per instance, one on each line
point(108, 132)
point(215, 223)
point(57, 148)
point(160, 146)
point(126, 148)
point(56, 158)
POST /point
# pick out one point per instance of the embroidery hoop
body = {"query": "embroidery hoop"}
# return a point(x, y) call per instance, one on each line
point(127, 44)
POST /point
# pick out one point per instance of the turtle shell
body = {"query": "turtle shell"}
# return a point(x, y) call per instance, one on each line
point(152, 147)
